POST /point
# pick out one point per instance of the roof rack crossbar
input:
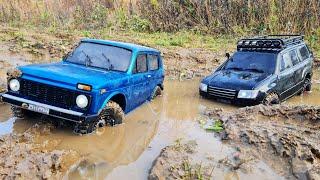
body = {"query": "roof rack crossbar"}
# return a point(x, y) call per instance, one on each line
point(278, 42)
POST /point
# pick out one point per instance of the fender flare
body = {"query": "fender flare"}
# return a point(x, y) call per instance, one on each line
point(108, 99)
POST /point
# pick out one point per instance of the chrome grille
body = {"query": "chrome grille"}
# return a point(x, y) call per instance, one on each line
point(222, 93)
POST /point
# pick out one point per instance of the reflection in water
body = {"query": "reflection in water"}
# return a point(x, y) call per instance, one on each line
point(128, 150)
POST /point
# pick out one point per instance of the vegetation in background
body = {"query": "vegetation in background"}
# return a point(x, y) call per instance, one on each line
point(168, 22)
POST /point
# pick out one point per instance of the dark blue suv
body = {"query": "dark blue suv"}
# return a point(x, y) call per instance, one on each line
point(265, 69)
point(95, 84)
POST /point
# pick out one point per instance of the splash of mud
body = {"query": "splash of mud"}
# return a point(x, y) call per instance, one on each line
point(21, 157)
point(285, 137)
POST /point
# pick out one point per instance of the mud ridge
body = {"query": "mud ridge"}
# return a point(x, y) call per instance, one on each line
point(285, 137)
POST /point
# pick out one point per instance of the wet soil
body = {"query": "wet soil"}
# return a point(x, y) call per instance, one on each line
point(280, 142)
point(22, 157)
point(287, 138)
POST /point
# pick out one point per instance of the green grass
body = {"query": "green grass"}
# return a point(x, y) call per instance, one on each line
point(182, 39)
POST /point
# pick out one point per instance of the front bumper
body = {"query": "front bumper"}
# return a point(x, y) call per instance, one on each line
point(61, 113)
point(236, 101)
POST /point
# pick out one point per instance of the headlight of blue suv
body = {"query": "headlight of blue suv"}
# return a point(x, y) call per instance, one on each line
point(82, 101)
point(203, 87)
point(14, 85)
point(248, 94)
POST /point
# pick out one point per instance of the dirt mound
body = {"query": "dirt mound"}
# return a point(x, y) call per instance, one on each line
point(21, 157)
point(175, 162)
point(285, 137)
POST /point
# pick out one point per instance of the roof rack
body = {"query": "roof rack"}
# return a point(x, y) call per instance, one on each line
point(269, 42)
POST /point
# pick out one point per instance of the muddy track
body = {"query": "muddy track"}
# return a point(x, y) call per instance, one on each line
point(285, 137)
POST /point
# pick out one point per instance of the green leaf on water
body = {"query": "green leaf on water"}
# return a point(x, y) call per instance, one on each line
point(216, 127)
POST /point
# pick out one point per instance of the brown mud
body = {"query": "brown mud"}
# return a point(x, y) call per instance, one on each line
point(22, 157)
point(287, 138)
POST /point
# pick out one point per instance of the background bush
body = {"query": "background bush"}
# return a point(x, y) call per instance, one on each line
point(202, 16)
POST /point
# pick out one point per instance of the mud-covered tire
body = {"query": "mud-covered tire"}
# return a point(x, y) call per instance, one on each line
point(307, 86)
point(156, 92)
point(84, 128)
point(112, 114)
point(18, 112)
point(271, 99)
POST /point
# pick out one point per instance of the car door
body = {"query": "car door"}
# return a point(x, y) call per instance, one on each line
point(297, 70)
point(305, 59)
point(140, 80)
point(154, 71)
point(286, 76)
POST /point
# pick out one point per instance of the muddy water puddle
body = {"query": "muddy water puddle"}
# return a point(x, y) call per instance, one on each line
point(128, 150)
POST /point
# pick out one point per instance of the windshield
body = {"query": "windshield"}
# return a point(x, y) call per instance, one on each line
point(101, 56)
point(252, 61)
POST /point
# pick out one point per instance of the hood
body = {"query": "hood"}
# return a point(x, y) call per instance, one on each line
point(237, 80)
point(72, 74)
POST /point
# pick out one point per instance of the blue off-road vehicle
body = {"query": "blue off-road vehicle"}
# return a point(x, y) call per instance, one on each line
point(95, 84)
point(265, 69)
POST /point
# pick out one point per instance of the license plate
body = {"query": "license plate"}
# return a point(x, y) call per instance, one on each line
point(224, 101)
point(38, 109)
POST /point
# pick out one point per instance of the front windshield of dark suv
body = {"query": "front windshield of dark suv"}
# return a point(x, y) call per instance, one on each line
point(259, 62)
point(101, 56)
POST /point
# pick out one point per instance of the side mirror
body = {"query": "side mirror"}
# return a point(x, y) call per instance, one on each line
point(228, 55)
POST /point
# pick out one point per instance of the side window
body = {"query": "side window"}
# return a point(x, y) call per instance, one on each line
point(303, 53)
point(294, 57)
point(285, 62)
point(153, 62)
point(141, 64)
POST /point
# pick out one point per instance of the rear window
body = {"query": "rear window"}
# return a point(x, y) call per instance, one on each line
point(286, 62)
point(141, 64)
point(303, 53)
point(294, 57)
point(153, 62)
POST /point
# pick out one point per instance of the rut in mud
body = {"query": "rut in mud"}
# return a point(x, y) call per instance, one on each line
point(285, 137)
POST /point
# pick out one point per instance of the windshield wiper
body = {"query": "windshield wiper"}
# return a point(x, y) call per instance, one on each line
point(255, 70)
point(110, 67)
point(235, 68)
point(88, 60)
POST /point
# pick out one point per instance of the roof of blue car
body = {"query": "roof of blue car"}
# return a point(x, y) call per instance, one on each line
point(131, 46)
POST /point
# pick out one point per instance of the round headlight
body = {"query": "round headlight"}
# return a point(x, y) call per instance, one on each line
point(82, 101)
point(203, 87)
point(14, 85)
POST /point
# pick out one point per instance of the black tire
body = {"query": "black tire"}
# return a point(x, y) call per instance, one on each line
point(271, 99)
point(156, 92)
point(18, 112)
point(307, 86)
point(84, 128)
point(112, 114)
